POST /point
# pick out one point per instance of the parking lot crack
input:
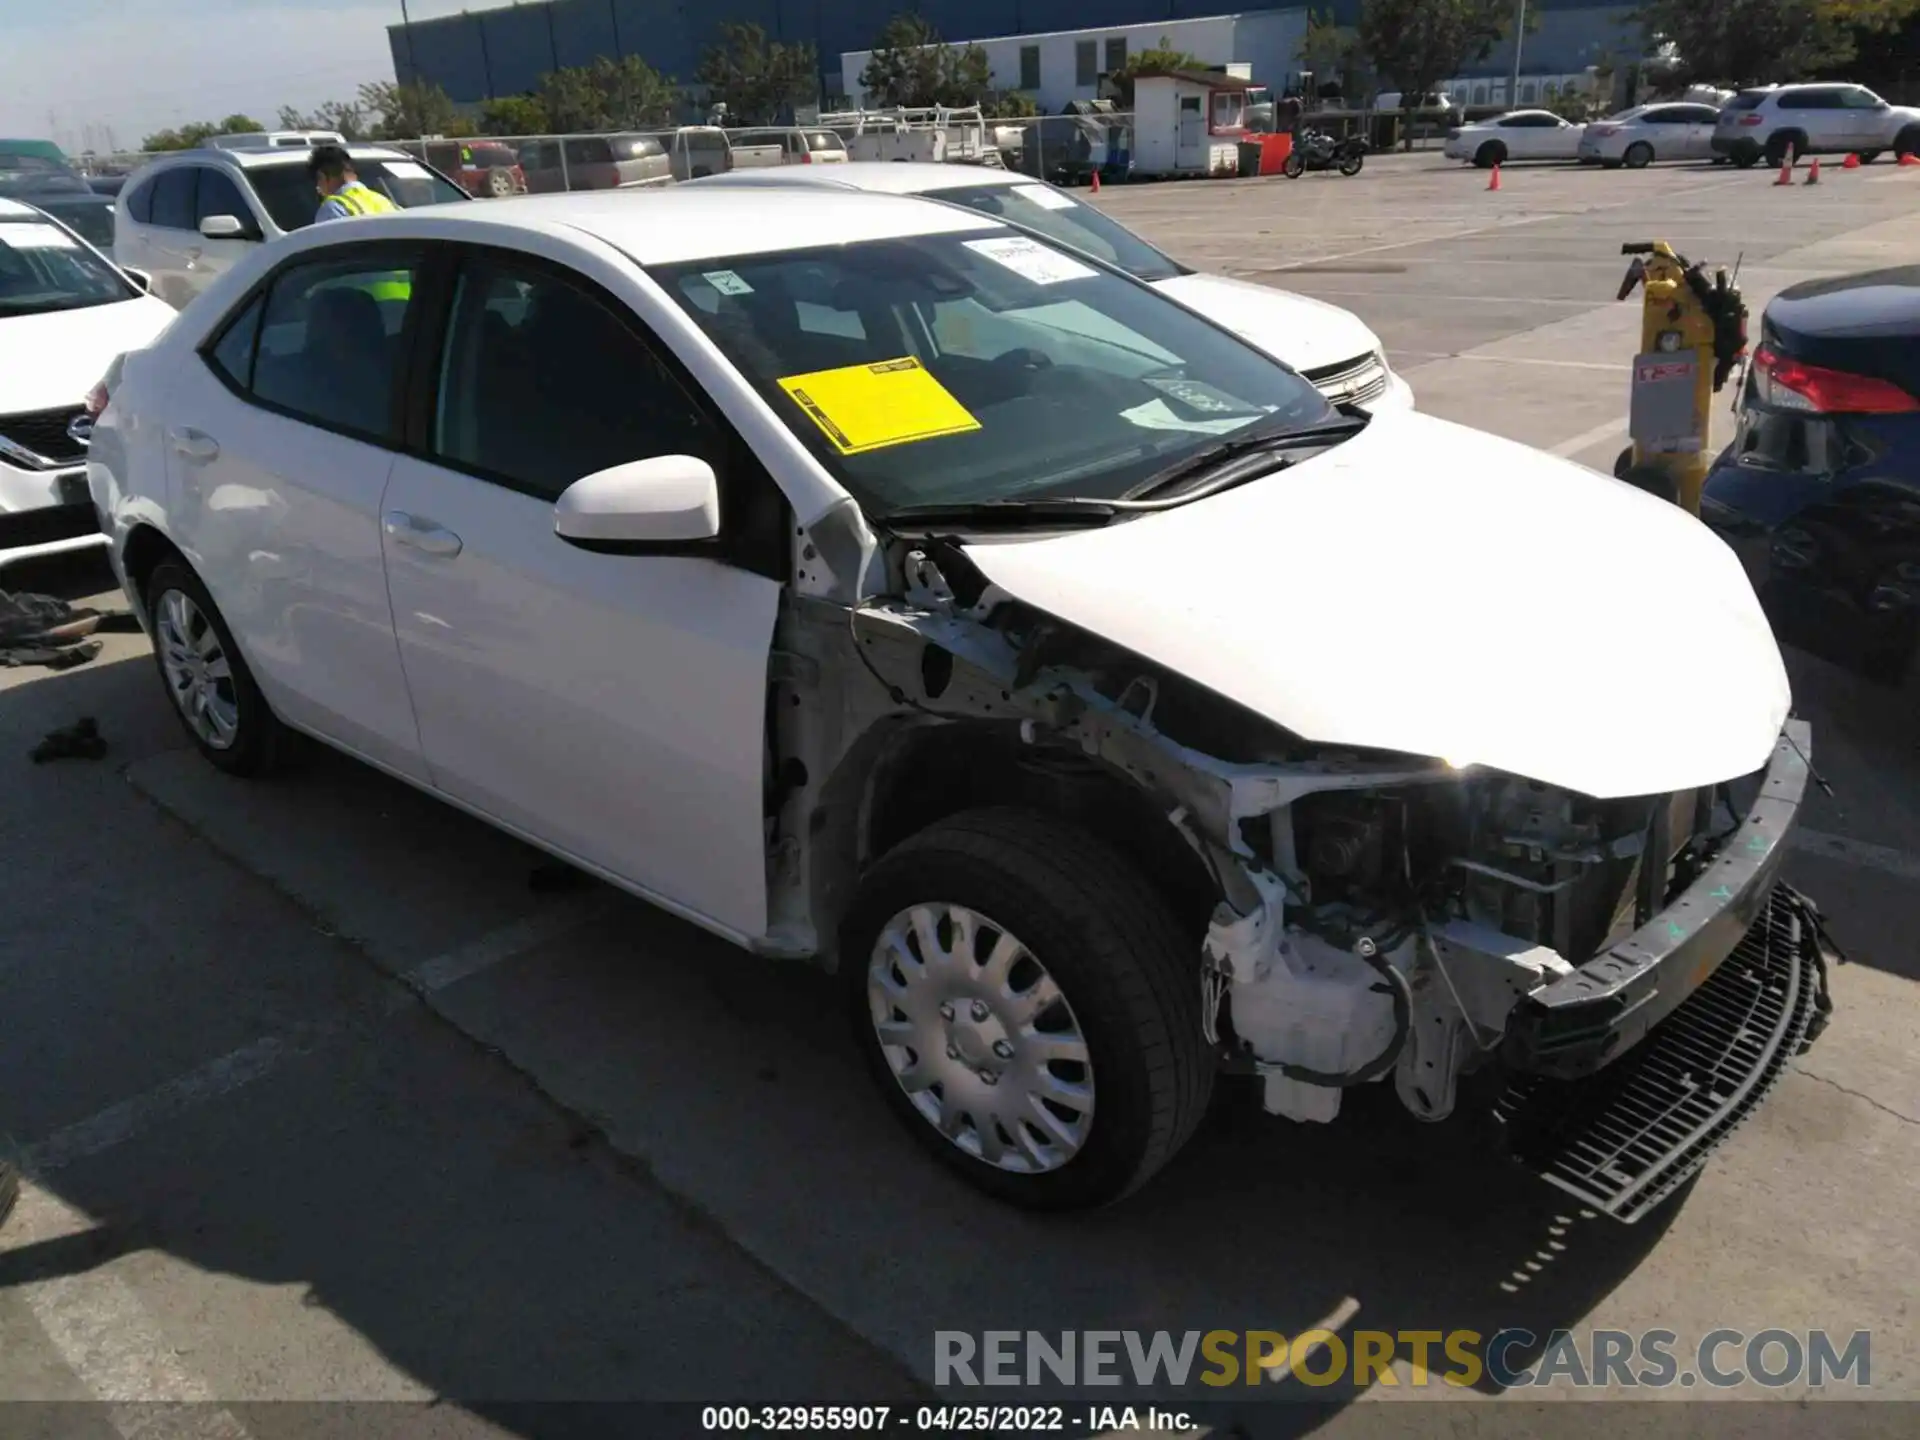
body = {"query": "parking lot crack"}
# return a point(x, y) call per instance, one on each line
point(1881, 1105)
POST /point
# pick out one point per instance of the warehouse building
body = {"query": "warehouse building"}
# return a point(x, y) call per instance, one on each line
point(479, 55)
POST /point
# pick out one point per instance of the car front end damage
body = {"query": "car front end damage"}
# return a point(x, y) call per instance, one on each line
point(1628, 976)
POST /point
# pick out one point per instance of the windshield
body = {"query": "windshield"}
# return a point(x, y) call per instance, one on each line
point(960, 370)
point(91, 220)
point(1060, 217)
point(43, 268)
point(287, 190)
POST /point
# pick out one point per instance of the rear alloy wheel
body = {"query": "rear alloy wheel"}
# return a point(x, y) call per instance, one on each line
point(1490, 154)
point(1029, 1007)
point(212, 691)
point(1639, 155)
point(499, 183)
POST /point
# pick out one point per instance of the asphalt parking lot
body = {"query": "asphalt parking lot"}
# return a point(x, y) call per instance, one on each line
point(329, 1096)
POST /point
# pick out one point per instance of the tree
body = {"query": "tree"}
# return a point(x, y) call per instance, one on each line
point(1327, 49)
point(625, 94)
point(515, 115)
point(407, 112)
point(189, 137)
point(1154, 60)
point(908, 63)
point(759, 79)
point(1750, 42)
point(1419, 43)
point(1011, 105)
point(344, 117)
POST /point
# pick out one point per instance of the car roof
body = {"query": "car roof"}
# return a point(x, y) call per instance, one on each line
point(898, 177)
point(697, 222)
point(256, 159)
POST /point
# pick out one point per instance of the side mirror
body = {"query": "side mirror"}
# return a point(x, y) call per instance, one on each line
point(225, 227)
point(138, 277)
point(670, 499)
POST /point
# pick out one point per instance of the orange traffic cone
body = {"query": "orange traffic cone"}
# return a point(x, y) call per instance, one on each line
point(1096, 182)
point(1786, 169)
point(1910, 159)
point(1493, 182)
point(1852, 162)
point(1813, 175)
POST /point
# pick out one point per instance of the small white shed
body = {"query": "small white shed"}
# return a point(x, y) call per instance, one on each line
point(1188, 122)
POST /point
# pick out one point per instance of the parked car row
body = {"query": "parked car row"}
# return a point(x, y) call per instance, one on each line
point(1767, 123)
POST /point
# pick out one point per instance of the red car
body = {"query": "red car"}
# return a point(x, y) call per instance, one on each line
point(482, 167)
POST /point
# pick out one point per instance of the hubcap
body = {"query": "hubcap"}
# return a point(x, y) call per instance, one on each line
point(199, 676)
point(981, 1039)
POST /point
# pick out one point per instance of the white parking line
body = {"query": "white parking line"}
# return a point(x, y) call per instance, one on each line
point(109, 1127)
point(1857, 852)
point(108, 1340)
point(1567, 449)
point(1280, 1368)
point(491, 949)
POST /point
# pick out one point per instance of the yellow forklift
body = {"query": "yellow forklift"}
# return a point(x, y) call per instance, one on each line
point(1693, 331)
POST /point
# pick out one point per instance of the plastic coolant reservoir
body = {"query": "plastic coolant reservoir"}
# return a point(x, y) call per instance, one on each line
point(1315, 1007)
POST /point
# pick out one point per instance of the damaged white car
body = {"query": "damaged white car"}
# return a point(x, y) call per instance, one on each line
point(870, 583)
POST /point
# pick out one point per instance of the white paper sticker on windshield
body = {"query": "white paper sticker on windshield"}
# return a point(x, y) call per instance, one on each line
point(1031, 260)
point(1158, 415)
point(1045, 196)
point(727, 283)
point(35, 236)
point(405, 170)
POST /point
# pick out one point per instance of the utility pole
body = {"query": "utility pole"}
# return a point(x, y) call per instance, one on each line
point(1519, 29)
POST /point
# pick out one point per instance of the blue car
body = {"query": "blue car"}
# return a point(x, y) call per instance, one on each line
point(1819, 492)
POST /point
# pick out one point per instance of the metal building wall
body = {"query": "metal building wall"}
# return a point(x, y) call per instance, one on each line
point(485, 53)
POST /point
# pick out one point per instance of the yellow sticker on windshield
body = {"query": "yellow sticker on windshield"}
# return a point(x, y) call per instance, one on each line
point(869, 407)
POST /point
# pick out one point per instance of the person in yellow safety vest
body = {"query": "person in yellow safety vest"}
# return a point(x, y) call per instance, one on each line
point(343, 197)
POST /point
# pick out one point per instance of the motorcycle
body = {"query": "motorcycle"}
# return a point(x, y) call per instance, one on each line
point(1316, 150)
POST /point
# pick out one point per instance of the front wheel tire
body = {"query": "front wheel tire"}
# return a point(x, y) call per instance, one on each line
point(1639, 155)
point(1293, 167)
point(1029, 1007)
point(212, 691)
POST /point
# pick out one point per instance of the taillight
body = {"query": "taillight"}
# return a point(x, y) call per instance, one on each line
point(806, 157)
point(1789, 384)
point(1752, 119)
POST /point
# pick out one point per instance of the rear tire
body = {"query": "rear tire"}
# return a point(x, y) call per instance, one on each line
point(1908, 143)
point(1639, 155)
point(207, 681)
point(1079, 915)
point(1780, 144)
point(1490, 154)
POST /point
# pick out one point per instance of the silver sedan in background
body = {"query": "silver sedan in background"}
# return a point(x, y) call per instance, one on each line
point(1646, 133)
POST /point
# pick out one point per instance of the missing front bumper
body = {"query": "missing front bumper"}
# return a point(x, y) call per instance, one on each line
point(1624, 1140)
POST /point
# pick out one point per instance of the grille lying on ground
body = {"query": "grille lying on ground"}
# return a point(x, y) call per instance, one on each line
point(1625, 1139)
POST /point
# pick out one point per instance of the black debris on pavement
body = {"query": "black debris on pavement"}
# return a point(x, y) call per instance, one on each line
point(78, 741)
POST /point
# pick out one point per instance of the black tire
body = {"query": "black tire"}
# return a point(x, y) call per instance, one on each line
point(1778, 145)
point(1867, 157)
point(1746, 159)
point(1490, 154)
point(1351, 165)
point(1908, 143)
point(260, 742)
point(1293, 167)
point(499, 183)
point(1113, 947)
point(1639, 155)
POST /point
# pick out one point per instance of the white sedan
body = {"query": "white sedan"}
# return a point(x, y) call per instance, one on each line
point(1332, 347)
point(1636, 138)
point(1517, 135)
point(870, 582)
point(65, 312)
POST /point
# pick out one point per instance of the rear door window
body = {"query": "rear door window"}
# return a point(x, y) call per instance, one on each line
point(1746, 100)
point(173, 198)
point(140, 202)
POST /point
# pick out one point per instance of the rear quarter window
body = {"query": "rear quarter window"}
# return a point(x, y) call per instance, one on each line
point(1747, 100)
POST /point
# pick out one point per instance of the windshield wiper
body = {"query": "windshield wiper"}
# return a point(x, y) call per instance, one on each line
point(1226, 464)
point(1068, 509)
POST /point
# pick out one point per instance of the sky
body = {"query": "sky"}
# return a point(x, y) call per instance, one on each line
point(131, 67)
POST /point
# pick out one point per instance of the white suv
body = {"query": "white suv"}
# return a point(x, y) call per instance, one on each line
point(190, 217)
point(1813, 120)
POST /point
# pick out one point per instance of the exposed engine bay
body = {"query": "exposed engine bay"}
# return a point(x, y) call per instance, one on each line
point(1374, 915)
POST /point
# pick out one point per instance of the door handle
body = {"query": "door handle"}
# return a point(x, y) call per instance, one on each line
point(193, 444)
point(423, 535)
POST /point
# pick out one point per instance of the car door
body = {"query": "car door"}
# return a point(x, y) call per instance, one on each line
point(172, 241)
point(1522, 137)
point(1696, 123)
point(215, 196)
point(1867, 117)
point(280, 441)
point(609, 706)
